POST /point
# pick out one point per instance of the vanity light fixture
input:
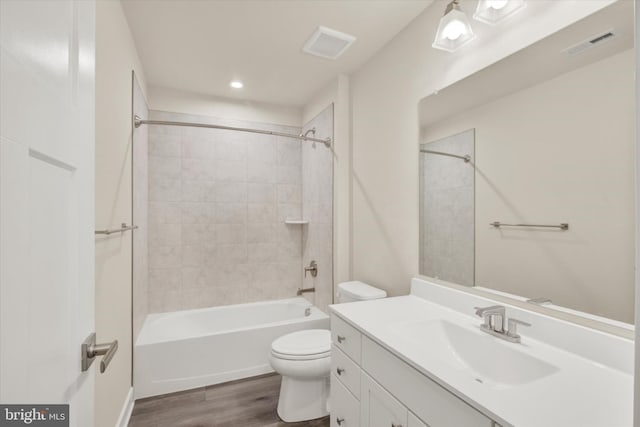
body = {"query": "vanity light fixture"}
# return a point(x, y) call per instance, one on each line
point(454, 30)
point(236, 84)
point(493, 12)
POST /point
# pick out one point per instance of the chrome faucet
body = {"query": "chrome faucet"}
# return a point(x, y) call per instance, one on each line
point(494, 319)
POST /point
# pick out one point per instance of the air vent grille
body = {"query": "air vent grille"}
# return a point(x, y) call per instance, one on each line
point(591, 42)
point(328, 43)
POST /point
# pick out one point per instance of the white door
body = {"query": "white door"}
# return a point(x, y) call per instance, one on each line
point(47, 102)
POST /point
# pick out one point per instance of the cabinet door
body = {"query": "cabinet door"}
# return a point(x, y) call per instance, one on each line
point(345, 408)
point(378, 408)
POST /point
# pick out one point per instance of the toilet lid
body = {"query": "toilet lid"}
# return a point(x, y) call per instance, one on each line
point(310, 342)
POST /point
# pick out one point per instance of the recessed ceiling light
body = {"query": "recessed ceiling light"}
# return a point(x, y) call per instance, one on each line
point(236, 84)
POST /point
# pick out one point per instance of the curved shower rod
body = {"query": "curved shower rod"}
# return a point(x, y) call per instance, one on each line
point(137, 122)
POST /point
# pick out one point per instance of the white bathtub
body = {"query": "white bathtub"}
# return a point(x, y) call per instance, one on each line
point(193, 348)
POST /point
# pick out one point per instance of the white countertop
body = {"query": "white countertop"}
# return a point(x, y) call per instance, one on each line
point(583, 392)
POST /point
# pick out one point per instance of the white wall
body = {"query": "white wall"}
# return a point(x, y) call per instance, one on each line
point(569, 161)
point(385, 96)
point(116, 56)
point(177, 101)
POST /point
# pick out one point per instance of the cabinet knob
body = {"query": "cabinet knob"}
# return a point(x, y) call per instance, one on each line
point(339, 421)
point(341, 338)
point(339, 371)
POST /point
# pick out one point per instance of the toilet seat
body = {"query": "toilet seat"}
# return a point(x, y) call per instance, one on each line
point(308, 344)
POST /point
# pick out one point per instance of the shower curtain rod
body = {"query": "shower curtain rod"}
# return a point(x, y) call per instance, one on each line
point(139, 122)
point(466, 157)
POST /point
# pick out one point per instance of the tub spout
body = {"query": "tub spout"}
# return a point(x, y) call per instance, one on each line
point(305, 290)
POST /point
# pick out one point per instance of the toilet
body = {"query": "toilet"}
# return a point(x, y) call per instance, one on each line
point(303, 359)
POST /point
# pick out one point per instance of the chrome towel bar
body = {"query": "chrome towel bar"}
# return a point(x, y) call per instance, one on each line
point(562, 226)
point(123, 227)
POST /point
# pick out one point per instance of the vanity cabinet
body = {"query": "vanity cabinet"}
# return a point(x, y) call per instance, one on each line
point(378, 389)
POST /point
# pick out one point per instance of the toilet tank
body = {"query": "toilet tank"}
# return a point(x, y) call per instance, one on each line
point(358, 291)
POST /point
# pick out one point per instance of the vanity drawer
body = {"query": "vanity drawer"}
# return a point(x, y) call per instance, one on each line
point(429, 401)
point(345, 408)
point(346, 338)
point(345, 370)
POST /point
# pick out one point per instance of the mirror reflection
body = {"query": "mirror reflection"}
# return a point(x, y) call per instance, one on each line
point(527, 172)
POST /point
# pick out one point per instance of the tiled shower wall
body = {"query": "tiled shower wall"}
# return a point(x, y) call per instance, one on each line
point(317, 208)
point(217, 204)
point(447, 210)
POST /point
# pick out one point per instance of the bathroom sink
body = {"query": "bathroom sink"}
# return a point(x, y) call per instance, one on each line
point(487, 359)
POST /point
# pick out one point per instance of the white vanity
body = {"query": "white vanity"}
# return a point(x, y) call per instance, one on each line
point(422, 360)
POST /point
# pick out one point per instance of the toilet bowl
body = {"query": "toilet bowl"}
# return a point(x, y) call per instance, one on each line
point(303, 359)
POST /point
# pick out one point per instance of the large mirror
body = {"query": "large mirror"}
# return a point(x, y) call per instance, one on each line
point(527, 172)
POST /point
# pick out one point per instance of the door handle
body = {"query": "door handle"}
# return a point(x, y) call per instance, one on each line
point(90, 350)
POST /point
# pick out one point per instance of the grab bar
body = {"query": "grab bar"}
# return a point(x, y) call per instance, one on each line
point(562, 226)
point(123, 227)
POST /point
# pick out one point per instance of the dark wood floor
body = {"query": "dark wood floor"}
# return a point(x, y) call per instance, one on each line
point(244, 403)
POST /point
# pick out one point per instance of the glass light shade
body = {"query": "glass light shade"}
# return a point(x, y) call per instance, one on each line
point(493, 12)
point(454, 30)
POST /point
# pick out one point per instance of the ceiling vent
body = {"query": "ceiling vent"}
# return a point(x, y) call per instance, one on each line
point(591, 42)
point(328, 43)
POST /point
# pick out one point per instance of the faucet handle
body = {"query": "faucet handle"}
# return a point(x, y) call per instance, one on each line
point(513, 325)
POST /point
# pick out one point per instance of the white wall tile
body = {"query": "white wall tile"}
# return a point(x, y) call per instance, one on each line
point(231, 213)
point(288, 151)
point(164, 213)
point(289, 193)
point(195, 147)
point(259, 171)
point(262, 252)
point(231, 233)
point(196, 213)
point(231, 254)
point(163, 145)
point(231, 192)
point(261, 233)
point(217, 190)
point(165, 190)
point(198, 169)
point(231, 170)
point(261, 212)
point(164, 168)
point(261, 192)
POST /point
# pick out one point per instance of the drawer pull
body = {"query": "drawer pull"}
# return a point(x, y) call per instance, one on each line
point(339, 371)
point(339, 421)
point(396, 425)
point(341, 338)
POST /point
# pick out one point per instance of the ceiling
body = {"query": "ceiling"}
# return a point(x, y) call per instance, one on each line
point(200, 46)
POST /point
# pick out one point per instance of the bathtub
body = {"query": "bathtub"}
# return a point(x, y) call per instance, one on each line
point(193, 348)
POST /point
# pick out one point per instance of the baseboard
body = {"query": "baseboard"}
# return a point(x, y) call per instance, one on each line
point(127, 409)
